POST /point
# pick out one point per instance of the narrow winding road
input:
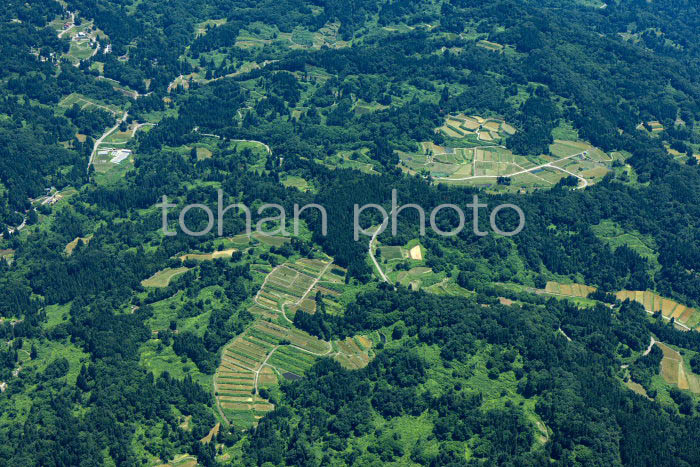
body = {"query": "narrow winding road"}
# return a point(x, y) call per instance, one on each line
point(548, 164)
point(308, 290)
point(371, 252)
point(106, 134)
point(372, 241)
point(72, 25)
point(257, 372)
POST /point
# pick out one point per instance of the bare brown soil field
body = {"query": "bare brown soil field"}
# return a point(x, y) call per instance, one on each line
point(416, 253)
point(213, 432)
point(672, 368)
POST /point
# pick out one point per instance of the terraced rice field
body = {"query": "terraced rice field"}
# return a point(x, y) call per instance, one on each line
point(674, 372)
point(247, 352)
point(287, 359)
point(330, 288)
point(235, 380)
point(274, 334)
point(267, 377)
point(288, 287)
point(672, 367)
point(308, 305)
point(462, 126)
point(508, 129)
point(241, 239)
point(669, 308)
point(262, 312)
point(268, 352)
point(391, 252)
point(257, 356)
point(572, 290)
point(429, 147)
point(284, 285)
point(335, 274)
point(235, 394)
point(656, 126)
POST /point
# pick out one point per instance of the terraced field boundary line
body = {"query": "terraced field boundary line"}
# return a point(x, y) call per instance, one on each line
point(316, 280)
point(218, 400)
point(257, 373)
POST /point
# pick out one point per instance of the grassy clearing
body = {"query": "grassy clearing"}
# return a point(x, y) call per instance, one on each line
point(7, 255)
point(416, 253)
point(163, 278)
point(118, 137)
point(202, 28)
point(209, 256)
point(71, 246)
point(492, 46)
point(203, 153)
point(615, 236)
point(158, 359)
point(296, 182)
point(107, 172)
point(86, 102)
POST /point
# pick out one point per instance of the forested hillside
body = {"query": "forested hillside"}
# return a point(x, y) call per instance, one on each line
point(574, 342)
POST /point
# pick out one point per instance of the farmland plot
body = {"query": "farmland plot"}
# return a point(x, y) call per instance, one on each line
point(268, 351)
point(653, 302)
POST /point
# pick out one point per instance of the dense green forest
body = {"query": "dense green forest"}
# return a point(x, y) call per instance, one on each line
point(114, 335)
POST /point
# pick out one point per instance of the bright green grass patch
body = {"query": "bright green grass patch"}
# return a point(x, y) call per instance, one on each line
point(302, 37)
point(55, 315)
point(565, 130)
point(615, 236)
point(48, 351)
point(158, 358)
point(297, 182)
point(391, 252)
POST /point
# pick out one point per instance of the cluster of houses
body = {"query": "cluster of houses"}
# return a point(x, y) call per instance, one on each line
point(82, 35)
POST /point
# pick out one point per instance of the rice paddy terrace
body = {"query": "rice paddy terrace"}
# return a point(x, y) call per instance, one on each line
point(492, 129)
point(674, 372)
point(272, 349)
point(474, 154)
point(686, 317)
